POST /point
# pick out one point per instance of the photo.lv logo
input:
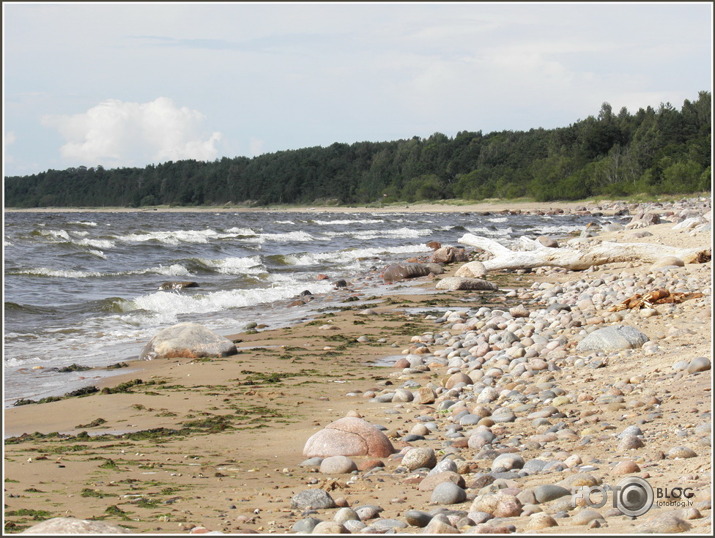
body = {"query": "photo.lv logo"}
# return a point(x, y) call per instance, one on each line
point(633, 496)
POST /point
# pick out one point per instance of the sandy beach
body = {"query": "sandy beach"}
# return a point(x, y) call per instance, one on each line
point(174, 446)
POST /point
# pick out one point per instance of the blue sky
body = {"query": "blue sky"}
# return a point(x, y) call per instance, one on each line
point(129, 84)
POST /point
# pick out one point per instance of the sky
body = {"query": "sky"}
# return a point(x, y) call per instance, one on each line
point(130, 84)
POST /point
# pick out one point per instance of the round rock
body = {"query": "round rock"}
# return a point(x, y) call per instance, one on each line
point(448, 493)
point(312, 499)
point(416, 458)
point(348, 436)
point(337, 465)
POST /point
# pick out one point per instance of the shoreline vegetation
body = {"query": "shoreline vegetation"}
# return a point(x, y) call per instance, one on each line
point(615, 153)
point(196, 445)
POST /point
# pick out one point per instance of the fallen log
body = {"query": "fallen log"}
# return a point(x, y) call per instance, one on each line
point(571, 258)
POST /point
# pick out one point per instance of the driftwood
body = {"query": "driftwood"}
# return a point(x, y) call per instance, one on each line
point(659, 296)
point(537, 255)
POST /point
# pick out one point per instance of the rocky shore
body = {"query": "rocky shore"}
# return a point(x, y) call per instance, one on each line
point(515, 410)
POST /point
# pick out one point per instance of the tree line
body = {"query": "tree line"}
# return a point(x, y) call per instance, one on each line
point(654, 151)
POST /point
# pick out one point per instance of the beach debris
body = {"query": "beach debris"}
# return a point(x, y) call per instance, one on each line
point(647, 300)
point(348, 436)
point(537, 255)
point(190, 340)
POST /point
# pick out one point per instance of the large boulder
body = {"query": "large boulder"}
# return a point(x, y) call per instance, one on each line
point(189, 340)
point(349, 436)
point(403, 271)
point(613, 338)
point(71, 525)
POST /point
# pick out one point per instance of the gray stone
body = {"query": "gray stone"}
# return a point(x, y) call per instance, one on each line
point(681, 452)
point(448, 493)
point(388, 524)
point(337, 465)
point(507, 461)
point(534, 466)
point(613, 338)
point(549, 492)
point(305, 525)
point(699, 364)
point(189, 340)
point(417, 518)
point(312, 498)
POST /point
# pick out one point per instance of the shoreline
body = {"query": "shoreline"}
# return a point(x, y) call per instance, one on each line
point(240, 422)
point(476, 207)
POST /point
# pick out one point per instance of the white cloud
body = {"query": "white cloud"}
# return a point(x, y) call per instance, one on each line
point(118, 132)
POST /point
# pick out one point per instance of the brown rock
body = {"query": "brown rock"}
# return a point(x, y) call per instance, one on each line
point(348, 436)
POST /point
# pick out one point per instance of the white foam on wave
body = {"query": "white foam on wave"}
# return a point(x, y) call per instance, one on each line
point(175, 269)
point(347, 222)
point(498, 219)
point(487, 232)
point(169, 305)
point(83, 223)
point(297, 236)
point(348, 257)
point(58, 273)
point(236, 266)
point(406, 233)
point(13, 362)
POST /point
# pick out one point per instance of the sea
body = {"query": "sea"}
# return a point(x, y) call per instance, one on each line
point(83, 287)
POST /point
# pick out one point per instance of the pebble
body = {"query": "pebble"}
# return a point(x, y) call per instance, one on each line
point(448, 493)
point(549, 492)
point(699, 364)
point(541, 520)
point(337, 465)
point(667, 523)
point(630, 442)
point(626, 467)
point(419, 457)
point(508, 461)
point(586, 516)
point(417, 518)
point(681, 452)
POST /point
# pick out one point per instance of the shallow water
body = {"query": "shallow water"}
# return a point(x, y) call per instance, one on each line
point(83, 287)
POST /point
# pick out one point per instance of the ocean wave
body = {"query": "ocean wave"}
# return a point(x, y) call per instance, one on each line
point(56, 273)
point(172, 304)
point(297, 236)
point(83, 223)
point(406, 233)
point(346, 222)
point(347, 257)
point(234, 266)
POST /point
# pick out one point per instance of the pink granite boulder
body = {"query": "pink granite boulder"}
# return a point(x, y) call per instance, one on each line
point(349, 436)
